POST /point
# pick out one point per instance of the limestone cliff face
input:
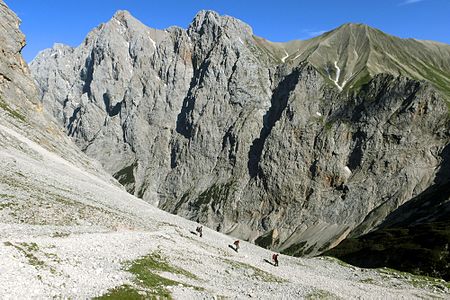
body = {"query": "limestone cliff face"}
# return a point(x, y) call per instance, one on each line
point(21, 109)
point(257, 139)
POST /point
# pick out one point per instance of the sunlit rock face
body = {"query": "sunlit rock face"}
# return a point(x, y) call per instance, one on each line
point(292, 145)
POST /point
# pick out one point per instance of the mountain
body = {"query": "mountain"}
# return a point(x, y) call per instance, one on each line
point(69, 230)
point(293, 146)
point(358, 52)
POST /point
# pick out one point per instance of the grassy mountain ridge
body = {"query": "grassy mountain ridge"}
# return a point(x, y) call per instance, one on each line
point(360, 52)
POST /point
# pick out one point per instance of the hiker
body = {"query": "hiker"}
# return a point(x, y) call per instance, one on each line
point(236, 245)
point(275, 259)
point(199, 229)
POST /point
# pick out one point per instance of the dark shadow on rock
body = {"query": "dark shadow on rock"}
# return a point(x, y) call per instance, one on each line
point(279, 102)
point(414, 238)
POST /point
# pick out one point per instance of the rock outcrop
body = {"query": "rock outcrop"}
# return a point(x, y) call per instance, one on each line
point(22, 113)
point(293, 145)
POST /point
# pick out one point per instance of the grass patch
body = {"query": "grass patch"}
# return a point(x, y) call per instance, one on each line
point(321, 294)
point(27, 250)
point(418, 281)
point(255, 272)
point(359, 82)
point(368, 281)
point(13, 113)
point(148, 284)
point(60, 234)
point(339, 262)
point(6, 196)
point(156, 262)
point(123, 292)
point(328, 126)
point(7, 205)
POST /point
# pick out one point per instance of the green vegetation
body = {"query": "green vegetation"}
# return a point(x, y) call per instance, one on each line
point(6, 196)
point(417, 281)
point(321, 294)
point(124, 292)
point(6, 204)
point(362, 79)
point(368, 281)
point(254, 272)
point(437, 77)
point(214, 195)
point(328, 125)
point(13, 113)
point(148, 284)
point(28, 250)
point(338, 261)
point(58, 234)
point(420, 249)
point(156, 262)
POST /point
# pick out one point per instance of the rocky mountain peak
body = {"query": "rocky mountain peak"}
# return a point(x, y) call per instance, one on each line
point(123, 16)
point(127, 20)
point(208, 21)
point(270, 142)
point(354, 27)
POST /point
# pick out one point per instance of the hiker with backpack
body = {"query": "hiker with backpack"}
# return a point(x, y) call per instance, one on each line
point(275, 259)
point(236, 245)
point(199, 230)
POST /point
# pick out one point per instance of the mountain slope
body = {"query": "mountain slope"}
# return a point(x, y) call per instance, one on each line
point(413, 238)
point(360, 52)
point(86, 238)
point(253, 138)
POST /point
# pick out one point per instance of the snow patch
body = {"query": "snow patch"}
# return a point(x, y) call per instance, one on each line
point(298, 55)
point(347, 170)
point(338, 75)
point(153, 42)
point(240, 41)
point(283, 59)
point(318, 114)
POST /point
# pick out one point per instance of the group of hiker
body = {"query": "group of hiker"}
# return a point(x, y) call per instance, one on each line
point(199, 231)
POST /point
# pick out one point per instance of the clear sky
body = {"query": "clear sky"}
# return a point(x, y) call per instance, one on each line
point(46, 22)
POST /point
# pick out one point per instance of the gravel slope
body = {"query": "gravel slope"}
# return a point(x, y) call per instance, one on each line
point(66, 232)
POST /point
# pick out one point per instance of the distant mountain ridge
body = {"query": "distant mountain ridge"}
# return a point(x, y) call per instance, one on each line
point(359, 52)
point(292, 145)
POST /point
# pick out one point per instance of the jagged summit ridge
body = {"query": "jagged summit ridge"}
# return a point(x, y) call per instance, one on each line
point(354, 51)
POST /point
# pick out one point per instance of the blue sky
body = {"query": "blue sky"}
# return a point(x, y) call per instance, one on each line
point(45, 22)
